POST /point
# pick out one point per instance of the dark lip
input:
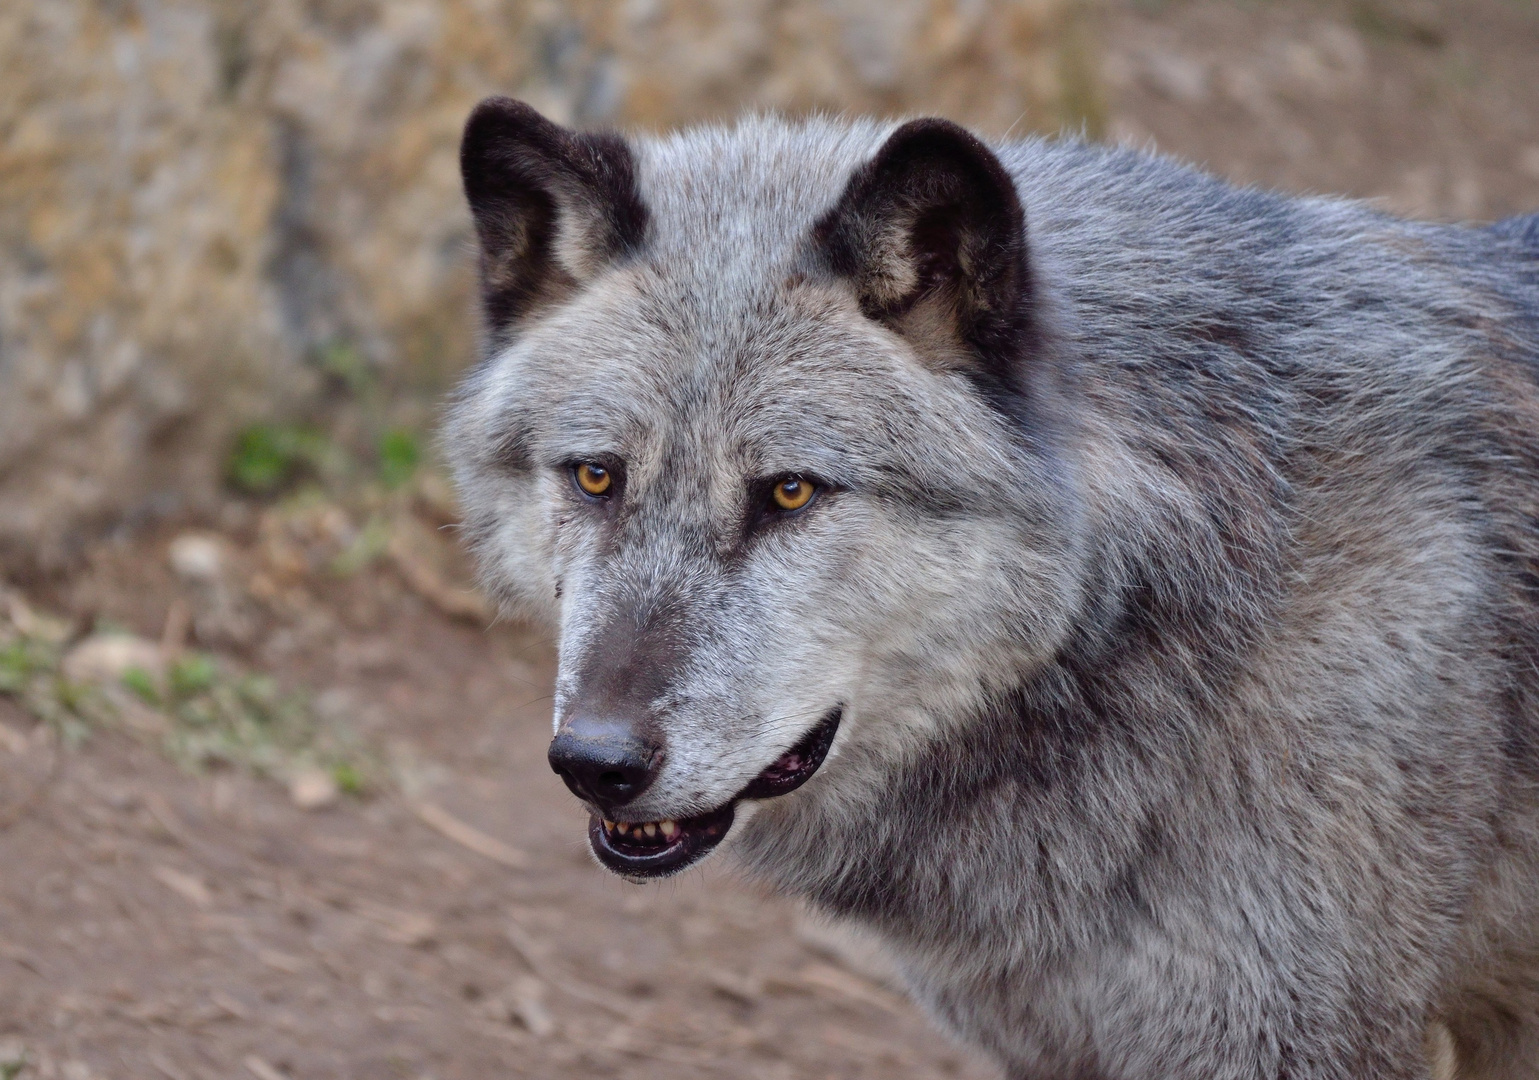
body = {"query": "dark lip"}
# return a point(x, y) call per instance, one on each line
point(697, 835)
point(641, 858)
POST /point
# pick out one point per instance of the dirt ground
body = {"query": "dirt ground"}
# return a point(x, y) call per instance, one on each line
point(160, 924)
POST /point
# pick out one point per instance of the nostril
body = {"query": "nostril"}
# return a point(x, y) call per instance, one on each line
point(602, 762)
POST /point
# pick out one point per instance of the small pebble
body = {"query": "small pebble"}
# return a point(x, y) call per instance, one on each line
point(197, 557)
point(103, 658)
point(313, 789)
point(527, 1004)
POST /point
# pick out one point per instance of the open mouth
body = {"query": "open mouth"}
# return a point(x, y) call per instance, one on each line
point(645, 849)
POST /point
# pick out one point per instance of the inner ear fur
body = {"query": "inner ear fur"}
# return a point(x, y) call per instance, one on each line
point(552, 207)
point(932, 236)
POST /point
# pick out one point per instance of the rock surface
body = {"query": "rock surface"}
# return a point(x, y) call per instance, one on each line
point(199, 199)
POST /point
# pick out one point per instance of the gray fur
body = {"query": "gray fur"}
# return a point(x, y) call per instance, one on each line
point(1191, 717)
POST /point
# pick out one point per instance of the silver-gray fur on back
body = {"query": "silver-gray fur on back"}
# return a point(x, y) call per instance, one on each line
point(1172, 577)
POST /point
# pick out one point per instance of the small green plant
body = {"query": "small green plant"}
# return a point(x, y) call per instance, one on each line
point(31, 661)
point(18, 661)
point(347, 365)
point(399, 456)
point(225, 718)
point(268, 457)
point(142, 683)
point(192, 674)
point(213, 716)
point(370, 543)
point(349, 779)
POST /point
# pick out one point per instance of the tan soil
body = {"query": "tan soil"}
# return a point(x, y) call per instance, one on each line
point(156, 924)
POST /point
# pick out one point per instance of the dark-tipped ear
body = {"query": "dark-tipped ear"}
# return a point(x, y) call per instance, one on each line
point(552, 207)
point(931, 234)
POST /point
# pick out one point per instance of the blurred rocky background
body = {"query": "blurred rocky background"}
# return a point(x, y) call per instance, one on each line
point(215, 213)
point(220, 212)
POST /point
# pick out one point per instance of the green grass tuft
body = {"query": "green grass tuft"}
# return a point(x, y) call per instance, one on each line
point(399, 456)
point(343, 362)
point(268, 457)
point(142, 683)
point(192, 674)
point(18, 661)
point(213, 715)
point(349, 779)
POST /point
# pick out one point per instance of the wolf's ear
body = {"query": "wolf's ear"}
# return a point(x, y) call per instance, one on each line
point(552, 207)
point(932, 235)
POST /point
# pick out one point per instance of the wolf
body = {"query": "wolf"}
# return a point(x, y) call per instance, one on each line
point(1115, 589)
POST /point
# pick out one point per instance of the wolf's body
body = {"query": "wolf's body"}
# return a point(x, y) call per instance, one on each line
point(1174, 579)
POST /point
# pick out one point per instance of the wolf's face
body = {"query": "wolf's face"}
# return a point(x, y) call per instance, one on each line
point(755, 438)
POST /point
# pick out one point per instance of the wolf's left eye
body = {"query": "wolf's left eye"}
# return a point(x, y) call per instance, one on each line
point(594, 479)
point(792, 493)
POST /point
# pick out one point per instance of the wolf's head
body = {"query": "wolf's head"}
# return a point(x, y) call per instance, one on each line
point(770, 432)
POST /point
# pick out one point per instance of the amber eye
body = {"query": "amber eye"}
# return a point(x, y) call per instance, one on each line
point(792, 493)
point(593, 479)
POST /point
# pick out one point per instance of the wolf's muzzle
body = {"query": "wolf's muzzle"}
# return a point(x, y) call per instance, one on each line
point(645, 849)
point(604, 762)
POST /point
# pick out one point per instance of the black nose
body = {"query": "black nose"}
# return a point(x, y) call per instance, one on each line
point(604, 761)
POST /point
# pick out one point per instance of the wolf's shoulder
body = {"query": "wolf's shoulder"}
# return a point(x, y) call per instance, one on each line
point(1143, 246)
point(1143, 203)
point(1516, 274)
point(1522, 232)
point(1517, 239)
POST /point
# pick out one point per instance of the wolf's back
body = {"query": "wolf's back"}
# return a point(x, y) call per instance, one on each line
point(1523, 231)
point(1520, 237)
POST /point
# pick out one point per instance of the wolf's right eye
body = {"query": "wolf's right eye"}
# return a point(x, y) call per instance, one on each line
point(792, 493)
point(593, 479)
